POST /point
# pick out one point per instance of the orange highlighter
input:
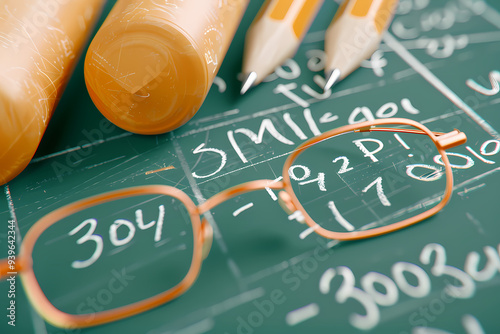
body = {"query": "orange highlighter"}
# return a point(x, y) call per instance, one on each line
point(40, 42)
point(354, 34)
point(152, 63)
point(274, 36)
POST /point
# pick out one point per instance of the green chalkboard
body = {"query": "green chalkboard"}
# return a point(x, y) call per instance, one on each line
point(438, 64)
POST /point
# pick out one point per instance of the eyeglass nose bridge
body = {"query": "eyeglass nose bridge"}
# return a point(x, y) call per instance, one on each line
point(286, 203)
point(207, 237)
point(451, 139)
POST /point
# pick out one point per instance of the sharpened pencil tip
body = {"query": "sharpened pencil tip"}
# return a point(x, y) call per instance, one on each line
point(248, 82)
point(332, 77)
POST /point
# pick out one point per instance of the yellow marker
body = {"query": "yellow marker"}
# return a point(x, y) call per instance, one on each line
point(354, 34)
point(151, 64)
point(275, 35)
point(40, 42)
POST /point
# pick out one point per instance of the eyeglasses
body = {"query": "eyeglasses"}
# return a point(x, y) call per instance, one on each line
point(357, 181)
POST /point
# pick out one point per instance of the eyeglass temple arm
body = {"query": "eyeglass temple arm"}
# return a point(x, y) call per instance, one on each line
point(238, 190)
point(445, 140)
point(7, 269)
point(413, 131)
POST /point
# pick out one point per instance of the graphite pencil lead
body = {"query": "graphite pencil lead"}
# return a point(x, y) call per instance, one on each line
point(248, 82)
point(332, 77)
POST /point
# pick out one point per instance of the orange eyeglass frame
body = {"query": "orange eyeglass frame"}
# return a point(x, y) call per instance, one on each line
point(202, 232)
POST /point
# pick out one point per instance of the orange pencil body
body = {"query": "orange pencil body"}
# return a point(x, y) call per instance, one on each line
point(275, 35)
point(354, 34)
point(40, 42)
point(151, 64)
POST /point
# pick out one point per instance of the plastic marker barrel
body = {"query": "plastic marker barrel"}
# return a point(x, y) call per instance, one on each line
point(40, 42)
point(151, 64)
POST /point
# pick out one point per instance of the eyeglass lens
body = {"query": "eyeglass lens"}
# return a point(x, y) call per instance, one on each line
point(365, 180)
point(114, 254)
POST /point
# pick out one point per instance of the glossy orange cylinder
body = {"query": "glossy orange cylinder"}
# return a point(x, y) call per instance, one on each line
point(151, 65)
point(40, 41)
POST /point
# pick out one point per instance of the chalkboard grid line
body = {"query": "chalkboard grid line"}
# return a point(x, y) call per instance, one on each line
point(487, 12)
point(437, 83)
point(233, 267)
point(284, 107)
point(212, 311)
point(443, 116)
point(420, 43)
point(276, 268)
point(216, 116)
point(475, 178)
point(77, 148)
